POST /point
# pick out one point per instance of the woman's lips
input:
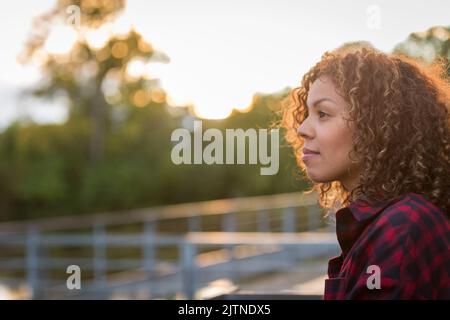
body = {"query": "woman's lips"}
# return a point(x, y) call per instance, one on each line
point(308, 154)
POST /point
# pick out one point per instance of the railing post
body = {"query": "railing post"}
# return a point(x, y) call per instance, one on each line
point(229, 225)
point(194, 224)
point(32, 259)
point(263, 221)
point(149, 253)
point(289, 227)
point(313, 217)
point(229, 222)
point(99, 241)
point(188, 268)
point(289, 220)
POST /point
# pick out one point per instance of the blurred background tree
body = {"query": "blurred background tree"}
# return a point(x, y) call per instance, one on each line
point(113, 111)
point(87, 76)
point(428, 46)
point(113, 152)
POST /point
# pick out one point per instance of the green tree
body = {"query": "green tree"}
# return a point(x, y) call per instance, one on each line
point(85, 75)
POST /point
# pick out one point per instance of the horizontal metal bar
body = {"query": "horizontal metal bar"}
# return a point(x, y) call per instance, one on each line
point(199, 238)
point(204, 208)
point(84, 264)
point(261, 238)
point(86, 239)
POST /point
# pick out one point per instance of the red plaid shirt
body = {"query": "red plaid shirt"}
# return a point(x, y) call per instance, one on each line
point(408, 239)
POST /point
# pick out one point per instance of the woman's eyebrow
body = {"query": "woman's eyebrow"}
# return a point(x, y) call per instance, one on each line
point(315, 103)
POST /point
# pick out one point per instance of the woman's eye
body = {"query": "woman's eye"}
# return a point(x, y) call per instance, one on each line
point(322, 114)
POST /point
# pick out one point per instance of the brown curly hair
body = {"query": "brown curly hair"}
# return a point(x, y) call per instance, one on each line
point(399, 112)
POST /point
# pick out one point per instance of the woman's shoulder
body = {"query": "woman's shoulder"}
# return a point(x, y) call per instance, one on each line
point(414, 204)
point(413, 211)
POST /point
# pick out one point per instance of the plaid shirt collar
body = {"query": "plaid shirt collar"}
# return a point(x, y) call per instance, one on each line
point(352, 220)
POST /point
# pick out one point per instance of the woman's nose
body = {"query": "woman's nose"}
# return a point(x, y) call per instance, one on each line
point(303, 132)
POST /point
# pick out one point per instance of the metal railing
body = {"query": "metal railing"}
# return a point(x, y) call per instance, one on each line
point(275, 236)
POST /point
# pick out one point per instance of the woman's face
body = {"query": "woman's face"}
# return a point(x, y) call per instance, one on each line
point(326, 132)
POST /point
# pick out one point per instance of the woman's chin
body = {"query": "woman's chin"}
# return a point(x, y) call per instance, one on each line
point(316, 178)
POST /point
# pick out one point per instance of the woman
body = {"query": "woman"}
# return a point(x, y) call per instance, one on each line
point(372, 132)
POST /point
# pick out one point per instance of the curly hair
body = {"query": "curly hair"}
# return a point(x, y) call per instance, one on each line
point(398, 111)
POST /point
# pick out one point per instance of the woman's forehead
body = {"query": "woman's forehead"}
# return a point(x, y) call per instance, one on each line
point(323, 89)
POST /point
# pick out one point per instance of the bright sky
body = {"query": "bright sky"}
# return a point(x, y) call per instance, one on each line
point(222, 52)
